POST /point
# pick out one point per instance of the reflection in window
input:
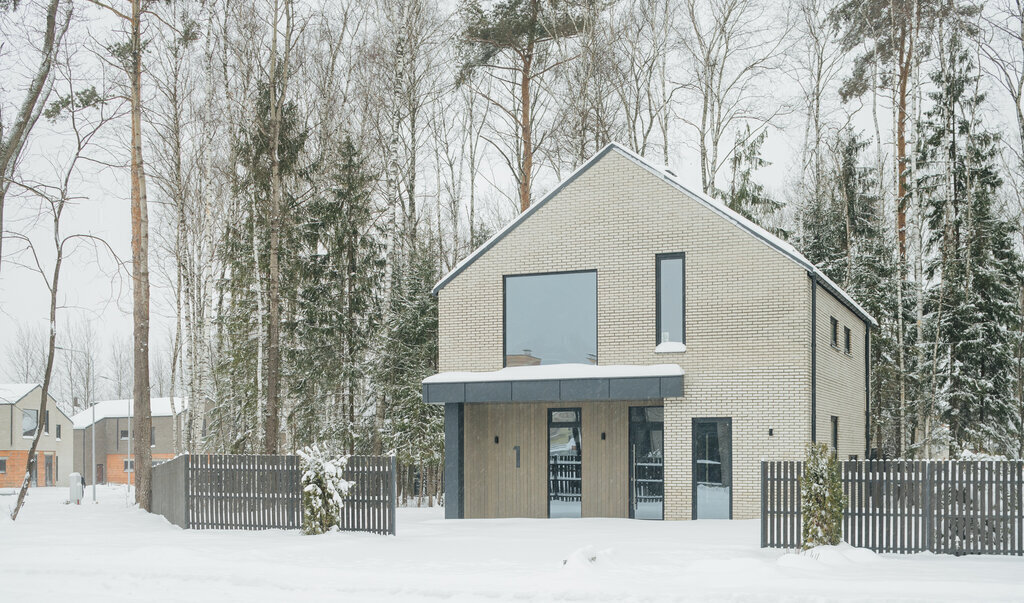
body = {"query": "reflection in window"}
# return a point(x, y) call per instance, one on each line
point(551, 319)
point(671, 308)
point(29, 422)
point(565, 464)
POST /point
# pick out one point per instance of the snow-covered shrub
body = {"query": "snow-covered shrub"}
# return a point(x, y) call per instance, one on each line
point(323, 488)
point(821, 497)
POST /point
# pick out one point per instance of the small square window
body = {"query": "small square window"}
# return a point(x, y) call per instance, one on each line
point(3, 465)
point(835, 332)
point(129, 465)
point(124, 434)
point(847, 340)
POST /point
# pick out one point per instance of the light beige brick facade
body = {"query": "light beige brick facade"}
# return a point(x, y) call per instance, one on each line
point(748, 318)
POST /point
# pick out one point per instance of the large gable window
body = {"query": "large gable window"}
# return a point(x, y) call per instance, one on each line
point(671, 302)
point(551, 318)
point(29, 422)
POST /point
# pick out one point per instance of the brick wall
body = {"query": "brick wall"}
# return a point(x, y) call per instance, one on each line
point(840, 391)
point(115, 466)
point(747, 313)
point(17, 465)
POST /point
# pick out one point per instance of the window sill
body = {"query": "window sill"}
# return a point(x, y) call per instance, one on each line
point(670, 347)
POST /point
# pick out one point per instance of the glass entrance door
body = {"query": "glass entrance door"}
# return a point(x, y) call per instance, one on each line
point(712, 468)
point(565, 463)
point(647, 462)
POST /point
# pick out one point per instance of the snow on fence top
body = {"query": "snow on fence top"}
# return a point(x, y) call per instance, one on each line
point(558, 371)
point(111, 409)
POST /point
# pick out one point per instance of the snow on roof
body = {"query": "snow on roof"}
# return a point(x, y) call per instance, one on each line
point(558, 371)
point(10, 393)
point(111, 409)
point(785, 248)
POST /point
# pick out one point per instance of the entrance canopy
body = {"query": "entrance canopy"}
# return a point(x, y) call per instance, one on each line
point(556, 383)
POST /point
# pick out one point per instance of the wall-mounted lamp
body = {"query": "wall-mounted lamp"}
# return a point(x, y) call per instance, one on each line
point(770, 432)
point(495, 439)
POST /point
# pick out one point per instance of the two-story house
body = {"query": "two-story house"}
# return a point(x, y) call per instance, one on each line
point(628, 347)
point(116, 444)
point(19, 420)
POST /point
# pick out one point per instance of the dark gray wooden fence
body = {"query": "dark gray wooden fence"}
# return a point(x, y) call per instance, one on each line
point(370, 504)
point(258, 492)
point(958, 507)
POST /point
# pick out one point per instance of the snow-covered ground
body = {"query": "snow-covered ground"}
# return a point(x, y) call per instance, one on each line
point(108, 552)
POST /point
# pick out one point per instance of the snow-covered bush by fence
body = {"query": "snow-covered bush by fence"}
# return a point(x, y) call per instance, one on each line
point(821, 497)
point(323, 488)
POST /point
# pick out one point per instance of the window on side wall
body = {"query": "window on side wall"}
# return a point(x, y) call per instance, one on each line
point(3, 465)
point(835, 332)
point(58, 431)
point(551, 318)
point(29, 422)
point(129, 465)
point(847, 340)
point(670, 303)
point(152, 437)
point(124, 434)
point(835, 436)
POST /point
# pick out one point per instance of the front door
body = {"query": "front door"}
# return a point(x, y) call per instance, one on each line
point(647, 462)
point(48, 463)
point(565, 463)
point(712, 468)
point(99, 474)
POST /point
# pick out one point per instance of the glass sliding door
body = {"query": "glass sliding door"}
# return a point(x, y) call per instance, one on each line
point(712, 468)
point(565, 463)
point(647, 462)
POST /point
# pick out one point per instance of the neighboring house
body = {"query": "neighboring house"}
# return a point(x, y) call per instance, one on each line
point(620, 283)
point(19, 419)
point(115, 442)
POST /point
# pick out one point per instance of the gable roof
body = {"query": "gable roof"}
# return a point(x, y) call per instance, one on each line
point(719, 208)
point(118, 409)
point(11, 393)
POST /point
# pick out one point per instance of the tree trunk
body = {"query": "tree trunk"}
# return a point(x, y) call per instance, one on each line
point(31, 107)
point(526, 130)
point(142, 421)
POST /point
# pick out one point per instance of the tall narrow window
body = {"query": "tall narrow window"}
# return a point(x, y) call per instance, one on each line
point(835, 435)
point(670, 277)
point(152, 436)
point(46, 423)
point(835, 332)
point(847, 344)
point(58, 431)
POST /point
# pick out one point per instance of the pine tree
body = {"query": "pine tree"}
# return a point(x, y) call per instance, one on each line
point(746, 196)
point(339, 268)
point(975, 271)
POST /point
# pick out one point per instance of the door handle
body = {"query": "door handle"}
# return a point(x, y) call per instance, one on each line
point(516, 448)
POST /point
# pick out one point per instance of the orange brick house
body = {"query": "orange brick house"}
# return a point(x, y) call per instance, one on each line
point(19, 420)
point(115, 442)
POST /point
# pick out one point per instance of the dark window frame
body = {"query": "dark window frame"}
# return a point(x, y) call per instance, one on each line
point(834, 434)
point(847, 341)
point(46, 423)
point(152, 436)
point(834, 337)
point(124, 434)
point(679, 255)
point(578, 423)
point(3, 465)
point(126, 465)
point(504, 308)
point(693, 462)
point(58, 431)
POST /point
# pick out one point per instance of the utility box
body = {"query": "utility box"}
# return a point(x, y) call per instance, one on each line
point(77, 488)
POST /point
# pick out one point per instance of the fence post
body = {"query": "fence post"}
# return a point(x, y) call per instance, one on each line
point(929, 516)
point(394, 495)
point(764, 504)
